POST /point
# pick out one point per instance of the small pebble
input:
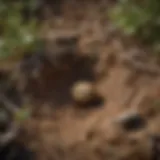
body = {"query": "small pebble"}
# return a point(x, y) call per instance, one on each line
point(84, 94)
point(83, 91)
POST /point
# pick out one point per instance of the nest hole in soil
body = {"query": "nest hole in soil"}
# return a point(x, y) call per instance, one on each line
point(54, 85)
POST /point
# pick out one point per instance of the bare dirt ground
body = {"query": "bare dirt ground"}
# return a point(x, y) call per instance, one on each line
point(60, 130)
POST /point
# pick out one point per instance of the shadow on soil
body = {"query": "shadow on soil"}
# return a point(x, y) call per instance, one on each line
point(54, 85)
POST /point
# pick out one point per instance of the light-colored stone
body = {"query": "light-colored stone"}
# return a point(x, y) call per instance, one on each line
point(83, 91)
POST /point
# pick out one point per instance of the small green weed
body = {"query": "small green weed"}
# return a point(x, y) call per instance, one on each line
point(140, 19)
point(16, 37)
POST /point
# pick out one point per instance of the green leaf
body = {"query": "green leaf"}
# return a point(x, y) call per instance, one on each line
point(22, 115)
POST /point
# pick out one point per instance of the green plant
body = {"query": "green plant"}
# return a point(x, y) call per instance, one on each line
point(22, 114)
point(16, 37)
point(140, 19)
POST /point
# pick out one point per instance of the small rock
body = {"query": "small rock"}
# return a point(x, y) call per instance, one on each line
point(84, 93)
